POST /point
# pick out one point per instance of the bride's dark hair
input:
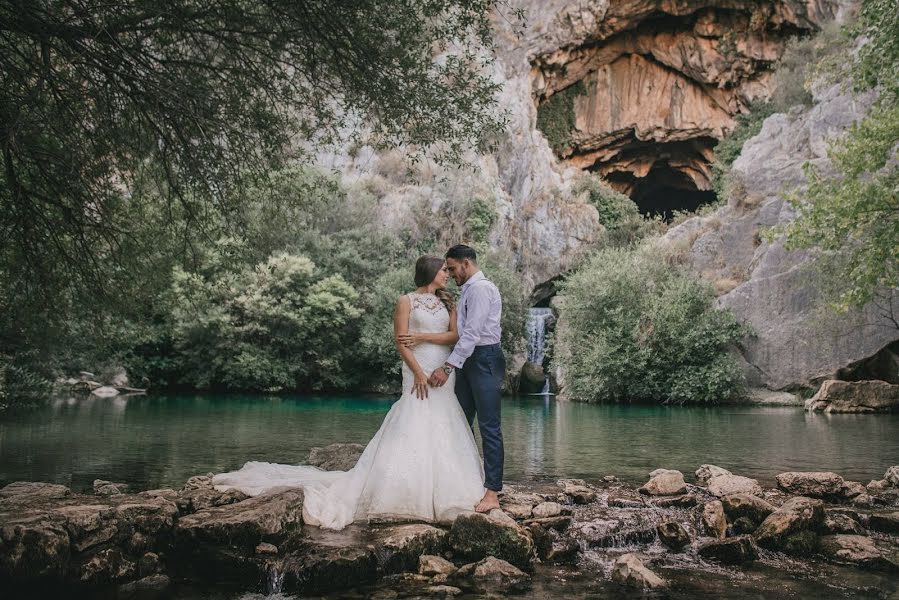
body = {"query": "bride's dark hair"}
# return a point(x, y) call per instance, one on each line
point(426, 269)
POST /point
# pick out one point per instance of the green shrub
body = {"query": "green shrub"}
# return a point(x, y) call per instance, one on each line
point(555, 117)
point(635, 328)
point(21, 386)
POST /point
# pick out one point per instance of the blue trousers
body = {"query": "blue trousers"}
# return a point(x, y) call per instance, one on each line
point(478, 387)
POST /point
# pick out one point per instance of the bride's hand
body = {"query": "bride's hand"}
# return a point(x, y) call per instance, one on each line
point(420, 387)
point(409, 340)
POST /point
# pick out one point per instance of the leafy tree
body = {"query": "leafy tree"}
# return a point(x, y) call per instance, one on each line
point(854, 210)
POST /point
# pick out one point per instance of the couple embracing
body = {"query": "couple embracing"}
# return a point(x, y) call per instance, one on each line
point(423, 463)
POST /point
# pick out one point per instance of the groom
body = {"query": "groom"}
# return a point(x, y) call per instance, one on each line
point(479, 363)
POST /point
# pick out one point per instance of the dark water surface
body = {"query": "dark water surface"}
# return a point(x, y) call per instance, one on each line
point(160, 441)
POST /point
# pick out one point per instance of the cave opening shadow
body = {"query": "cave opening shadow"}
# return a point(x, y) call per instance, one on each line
point(665, 190)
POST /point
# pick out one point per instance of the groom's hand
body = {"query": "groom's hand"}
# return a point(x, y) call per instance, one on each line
point(438, 377)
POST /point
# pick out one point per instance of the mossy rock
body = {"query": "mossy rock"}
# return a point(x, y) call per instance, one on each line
point(477, 536)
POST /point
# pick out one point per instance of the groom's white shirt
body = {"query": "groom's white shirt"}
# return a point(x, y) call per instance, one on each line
point(477, 317)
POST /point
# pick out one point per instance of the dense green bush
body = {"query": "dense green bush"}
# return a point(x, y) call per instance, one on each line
point(20, 385)
point(624, 225)
point(636, 328)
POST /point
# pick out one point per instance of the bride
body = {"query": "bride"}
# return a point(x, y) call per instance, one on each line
point(423, 463)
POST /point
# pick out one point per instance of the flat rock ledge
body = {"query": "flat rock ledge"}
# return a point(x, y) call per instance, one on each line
point(53, 538)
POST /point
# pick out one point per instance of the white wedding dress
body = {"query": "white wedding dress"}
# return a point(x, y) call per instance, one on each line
point(422, 464)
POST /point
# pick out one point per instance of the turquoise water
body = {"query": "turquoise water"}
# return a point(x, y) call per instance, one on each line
point(160, 441)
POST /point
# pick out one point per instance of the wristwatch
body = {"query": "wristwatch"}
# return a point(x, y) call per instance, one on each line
point(447, 368)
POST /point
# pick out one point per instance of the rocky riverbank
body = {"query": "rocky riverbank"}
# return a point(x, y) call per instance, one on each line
point(813, 531)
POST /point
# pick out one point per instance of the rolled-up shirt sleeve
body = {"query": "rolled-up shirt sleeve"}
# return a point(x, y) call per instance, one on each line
point(478, 303)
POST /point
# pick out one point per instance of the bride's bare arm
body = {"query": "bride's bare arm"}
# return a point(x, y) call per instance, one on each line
point(401, 328)
point(445, 338)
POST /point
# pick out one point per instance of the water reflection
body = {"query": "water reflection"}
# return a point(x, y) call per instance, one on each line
point(155, 441)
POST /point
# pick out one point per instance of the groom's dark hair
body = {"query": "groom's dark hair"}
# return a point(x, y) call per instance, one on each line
point(461, 252)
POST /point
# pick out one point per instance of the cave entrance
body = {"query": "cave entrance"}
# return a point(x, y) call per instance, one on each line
point(665, 190)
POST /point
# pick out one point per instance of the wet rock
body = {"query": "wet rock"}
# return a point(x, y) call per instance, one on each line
point(743, 525)
point(892, 476)
point(547, 509)
point(578, 491)
point(518, 511)
point(430, 564)
point(31, 548)
point(560, 523)
point(147, 584)
point(732, 551)
point(851, 489)
point(811, 484)
point(565, 550)
point(673, 535)
point(836, 523)
point(793, 527)
point(877, 485)
point(664, 482)
point(493, 574)
point(107, 566)
point(335, 457)
point(243, 524)
point(149, 564)
point(477, 535)
point(108, 488)
point(399, 547)
point(727, 485)
point(29, 491)
point(629, 570)
point(684, 501)
point(198, 482)
point(442, 591)
point(543, 540)
point(619, 527)
point(751, 507)
point(266, 549)
point(835, 396)
point(856, 550)
point(885, 522)
point(705, 473)
point(201, 498)
point(532, 378)
point(714, 520)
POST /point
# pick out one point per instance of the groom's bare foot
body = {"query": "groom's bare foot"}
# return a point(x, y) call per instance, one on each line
point(488, 502)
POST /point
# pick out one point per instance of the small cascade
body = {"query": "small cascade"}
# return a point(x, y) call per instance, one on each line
point(274, 581)
point(536, 330)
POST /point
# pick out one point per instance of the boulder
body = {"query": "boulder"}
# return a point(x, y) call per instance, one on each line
point(493, 575)
point(673, 535)
point(727, 485)
point(892, 476)
point(477, 535)
point(106, 566)
point(714, 520)
point(793, 527)
point(117, 377)
point(837, 523)
point(200, 498)
point(705, 473)
point(431, 564)
point(811, 484)
point(560, 523)
point(242, 524)
point(751, 507)
point(21, 492)
point(852, 489)
point(664, 482)
point(518, 511)
point(578, 491)
point(108, 488)
point(731, 551)
point(856, 550)
point(532, 378)
point(835, 396)
point(885, 522)
point(335, 457)
point(266, 549)
point(105, 391)
point(547, 509)
point(151, 583)
point(629, 570)
point(400, 547)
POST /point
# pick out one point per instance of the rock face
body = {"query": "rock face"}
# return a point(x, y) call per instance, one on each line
point(797, 340)
point(335, 457)
point(650, 85)
point(836, 396)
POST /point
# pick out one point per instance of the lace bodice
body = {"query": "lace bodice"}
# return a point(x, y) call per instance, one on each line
point(428, 314)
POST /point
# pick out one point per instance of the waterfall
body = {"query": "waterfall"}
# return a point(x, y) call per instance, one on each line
point(274, 578)
point(536, 330)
